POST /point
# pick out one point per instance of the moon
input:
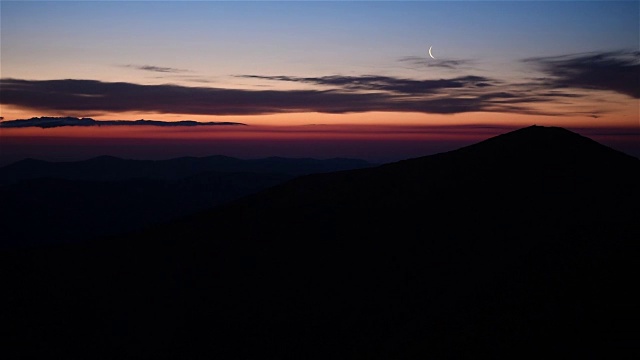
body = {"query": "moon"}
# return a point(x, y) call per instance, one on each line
point(430, 52)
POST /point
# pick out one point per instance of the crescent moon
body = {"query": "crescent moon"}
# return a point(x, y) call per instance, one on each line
point(430, 52)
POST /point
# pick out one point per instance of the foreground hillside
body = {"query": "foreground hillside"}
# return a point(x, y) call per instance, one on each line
point(516, 247)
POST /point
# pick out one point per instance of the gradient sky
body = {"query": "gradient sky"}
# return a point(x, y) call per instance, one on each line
point(358, 71)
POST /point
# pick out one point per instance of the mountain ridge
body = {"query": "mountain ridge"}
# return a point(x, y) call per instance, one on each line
point(46, 122)
point(107, 167)
point(73, 200)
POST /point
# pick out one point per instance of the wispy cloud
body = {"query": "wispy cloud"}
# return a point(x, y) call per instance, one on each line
point(385, 83)
point(446, 96)
point(617, 71)
point(160, 69)
point(439, 63)
point(93, 95)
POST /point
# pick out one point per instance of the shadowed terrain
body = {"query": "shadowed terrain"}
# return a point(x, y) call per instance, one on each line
point(81, 200)
point(109, 168)
point(520, 246)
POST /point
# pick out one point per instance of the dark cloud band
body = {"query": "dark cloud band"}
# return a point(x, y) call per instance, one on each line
point(384, 83)
point(617, 71)
point(97, 96)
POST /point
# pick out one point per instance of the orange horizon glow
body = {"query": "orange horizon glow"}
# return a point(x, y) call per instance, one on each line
point(630, 117)
point(378, 142)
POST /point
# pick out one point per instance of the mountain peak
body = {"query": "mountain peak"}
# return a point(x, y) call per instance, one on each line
point(537, 130)
point(537, 134)
point(553, 145)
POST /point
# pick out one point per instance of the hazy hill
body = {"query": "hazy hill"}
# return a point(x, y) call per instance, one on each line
point(72, 201)
point(520, 246)
point(109, 168)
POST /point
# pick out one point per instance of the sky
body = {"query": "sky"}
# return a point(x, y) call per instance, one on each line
point(314, 79)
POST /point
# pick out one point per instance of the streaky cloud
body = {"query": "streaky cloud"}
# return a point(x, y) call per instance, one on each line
point(617, 71)
point(94, 95)
point(153, 68)
point(52, 122)
point(384, 83)
point(467, 93)
point(438, 63)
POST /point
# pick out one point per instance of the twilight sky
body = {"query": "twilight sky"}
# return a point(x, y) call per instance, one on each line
point(318, 79)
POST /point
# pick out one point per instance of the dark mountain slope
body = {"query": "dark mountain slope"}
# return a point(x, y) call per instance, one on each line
point(517, 247)
point(104, 196)
point(82, 210)
point(109, 168)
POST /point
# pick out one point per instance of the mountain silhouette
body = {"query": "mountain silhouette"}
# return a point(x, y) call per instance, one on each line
point(103, 196)
point(109, 168)
point(519, 246)
point(46, 122)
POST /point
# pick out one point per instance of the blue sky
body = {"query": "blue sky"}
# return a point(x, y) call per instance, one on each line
point(65, 39)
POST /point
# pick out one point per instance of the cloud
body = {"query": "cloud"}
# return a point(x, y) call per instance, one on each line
point(93, 95)
point(617, 71)
point(349, 94)
point(441, 63)
point(160, 69)
point(384, 83)
point(51, 122)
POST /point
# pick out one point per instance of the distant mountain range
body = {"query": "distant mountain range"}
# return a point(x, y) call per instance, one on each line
point(51, 122)
point(520, 246)
point(109, 168)
point(103, 196)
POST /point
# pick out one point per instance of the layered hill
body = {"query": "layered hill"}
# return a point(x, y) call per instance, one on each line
point(109, 168)
point(82, 200)
point(520, 246)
